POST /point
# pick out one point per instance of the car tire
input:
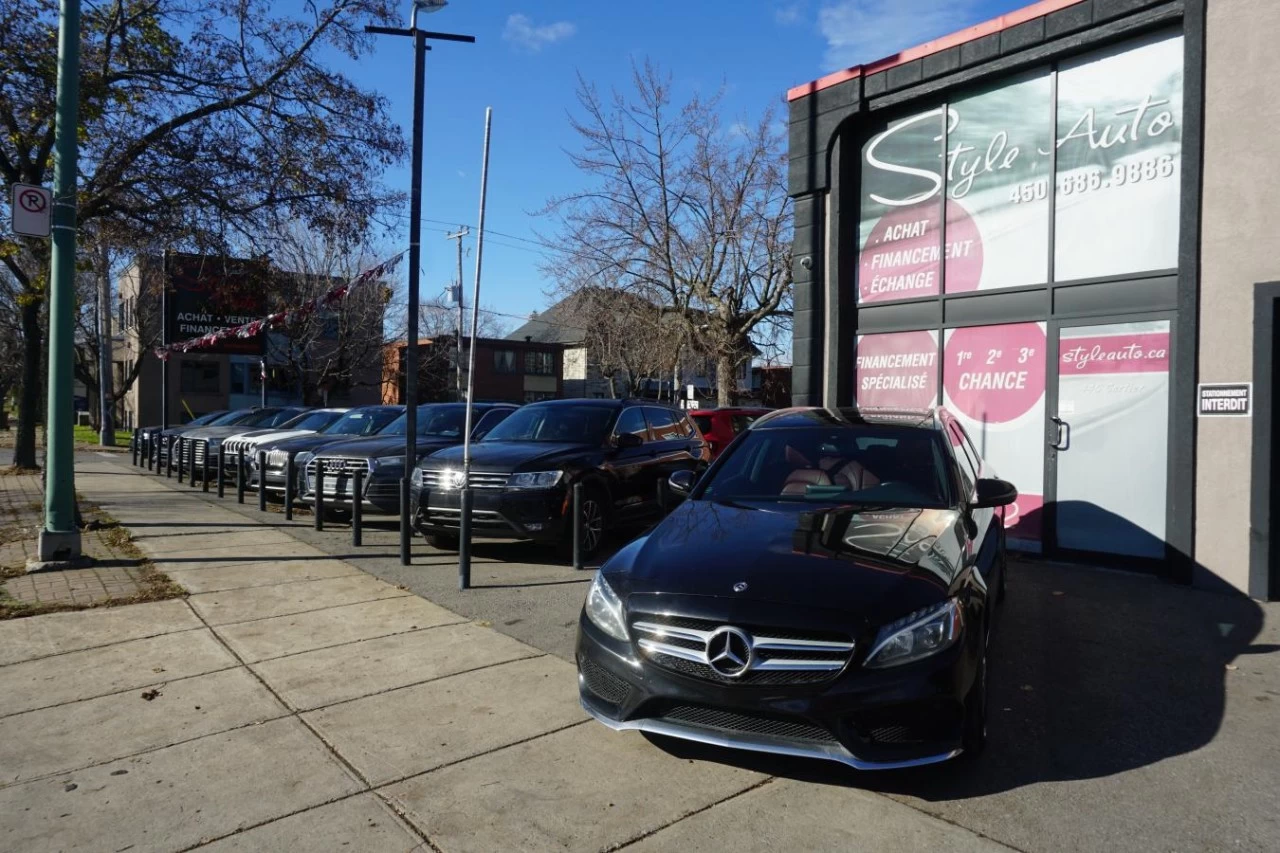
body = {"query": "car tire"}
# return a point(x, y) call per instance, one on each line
point(974, 736)
point(596, 520)
point(442, 541)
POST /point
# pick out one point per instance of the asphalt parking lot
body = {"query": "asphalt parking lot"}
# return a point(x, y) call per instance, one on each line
point(1110, 731)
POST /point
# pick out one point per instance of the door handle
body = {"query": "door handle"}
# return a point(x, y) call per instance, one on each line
point(1064, 434)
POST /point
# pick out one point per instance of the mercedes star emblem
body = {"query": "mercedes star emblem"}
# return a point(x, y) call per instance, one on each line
point(729, 652)
point(740, 586)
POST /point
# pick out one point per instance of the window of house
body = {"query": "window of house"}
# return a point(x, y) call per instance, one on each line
point(201, 377)
point(540, 363)
point(504, 361)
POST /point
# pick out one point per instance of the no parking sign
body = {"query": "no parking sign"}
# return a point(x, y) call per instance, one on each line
point(31, 206)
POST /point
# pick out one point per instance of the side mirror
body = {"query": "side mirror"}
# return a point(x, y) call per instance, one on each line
point(993, 493)
point(682, 482)
point(627, 440)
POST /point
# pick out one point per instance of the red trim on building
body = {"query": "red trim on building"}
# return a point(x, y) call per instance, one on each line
point(977, 31)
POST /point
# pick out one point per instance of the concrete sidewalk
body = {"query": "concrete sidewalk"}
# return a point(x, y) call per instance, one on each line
point(294, 702)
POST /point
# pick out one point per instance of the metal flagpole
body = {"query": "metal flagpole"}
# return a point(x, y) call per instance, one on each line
point(464, 544)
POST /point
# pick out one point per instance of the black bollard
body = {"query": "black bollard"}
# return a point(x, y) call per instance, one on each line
point(319, 502)
point(662, 496)
point(151, 446)
point(191, 463)
point(133, 447)
point(262, 489)
point(222, 472)
point(168, 458)
point(239, 476)
point(204, 469)
point(577, 526)
point(357, 507)
point(182, 457)
point(289, 475)
point(405, 556)
point(464, 538)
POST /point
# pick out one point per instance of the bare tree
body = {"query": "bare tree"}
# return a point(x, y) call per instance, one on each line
point(630, 340)
point(203, 127)
point(682, 213)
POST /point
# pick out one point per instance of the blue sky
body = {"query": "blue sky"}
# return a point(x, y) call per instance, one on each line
point(524, 65)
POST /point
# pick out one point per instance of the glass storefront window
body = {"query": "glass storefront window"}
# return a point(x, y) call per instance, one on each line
point(1119, 160)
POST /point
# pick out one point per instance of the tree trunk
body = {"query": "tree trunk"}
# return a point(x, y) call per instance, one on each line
point(726, 381)
point(24, 450)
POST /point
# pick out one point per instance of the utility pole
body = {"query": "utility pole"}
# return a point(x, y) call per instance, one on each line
point(106, 362)
point(60, 538)
point(462, 231)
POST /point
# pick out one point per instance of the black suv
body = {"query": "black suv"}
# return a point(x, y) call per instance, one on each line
point(522, 473)
point(356, 423)
point(381, 456)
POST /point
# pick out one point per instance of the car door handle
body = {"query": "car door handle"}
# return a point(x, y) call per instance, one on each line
point(1064, 435)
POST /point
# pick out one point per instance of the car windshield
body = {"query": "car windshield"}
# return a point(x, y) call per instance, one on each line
point(312, 420)
point(437, 421)
point(585, 424)
point(266, 418)
point(231, 418)
point(882, 465)
point(362, 423)
point(205, 420)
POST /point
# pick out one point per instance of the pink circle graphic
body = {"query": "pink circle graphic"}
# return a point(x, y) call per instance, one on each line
point(995, 374)
point(902, 256)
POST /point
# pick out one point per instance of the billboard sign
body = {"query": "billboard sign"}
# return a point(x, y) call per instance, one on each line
point(206, 293)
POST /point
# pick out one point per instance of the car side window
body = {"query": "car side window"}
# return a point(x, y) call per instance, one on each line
point(741, 422)
point(632, 421)
point(968, 472)
point(662, 423)
point(703, 422)
point(488, 421)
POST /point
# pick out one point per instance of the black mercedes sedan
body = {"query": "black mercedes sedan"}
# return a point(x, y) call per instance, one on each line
point(827, 589)
point(381, 457)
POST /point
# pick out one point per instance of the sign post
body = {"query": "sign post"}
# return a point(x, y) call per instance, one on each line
point(31, 207)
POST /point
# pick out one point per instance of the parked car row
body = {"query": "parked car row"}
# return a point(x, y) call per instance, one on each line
point(810, 582)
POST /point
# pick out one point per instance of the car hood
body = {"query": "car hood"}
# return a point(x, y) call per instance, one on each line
point(261, 436)
point(879, 565)
point(374, 445)
point(301, 442)
point(507, 456)
point(201, 433)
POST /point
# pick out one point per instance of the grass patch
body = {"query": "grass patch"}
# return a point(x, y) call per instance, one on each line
point(89, 435)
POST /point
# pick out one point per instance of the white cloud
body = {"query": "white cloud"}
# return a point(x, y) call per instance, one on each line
point(789, 15)
point(522, 32)
point(861, 31)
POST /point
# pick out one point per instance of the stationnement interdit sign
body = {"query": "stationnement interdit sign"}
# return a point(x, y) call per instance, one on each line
point(1229, 399)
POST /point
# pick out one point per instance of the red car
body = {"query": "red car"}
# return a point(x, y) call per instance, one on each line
point(721, 426)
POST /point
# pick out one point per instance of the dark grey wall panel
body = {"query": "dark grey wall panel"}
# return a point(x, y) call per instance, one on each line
point(903, 315)
point(1148, 294)
point(995, 307)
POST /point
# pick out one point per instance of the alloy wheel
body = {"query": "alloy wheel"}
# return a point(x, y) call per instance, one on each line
point(592, 525)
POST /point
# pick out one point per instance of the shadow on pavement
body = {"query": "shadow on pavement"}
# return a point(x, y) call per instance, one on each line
point(1094, 673)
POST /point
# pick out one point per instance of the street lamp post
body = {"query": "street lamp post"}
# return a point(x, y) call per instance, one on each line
point(420, 48)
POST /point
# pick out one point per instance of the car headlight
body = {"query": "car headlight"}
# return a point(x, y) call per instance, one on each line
point(534, 480)
point(386, 462)
point(300, 461)
point(215, 443)
point(415, 479)
point(917, 635)
point(604, 608)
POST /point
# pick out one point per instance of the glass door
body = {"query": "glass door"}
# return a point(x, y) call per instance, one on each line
point(1107, 432)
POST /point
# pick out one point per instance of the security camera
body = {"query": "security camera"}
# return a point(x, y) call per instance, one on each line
point(806, 262)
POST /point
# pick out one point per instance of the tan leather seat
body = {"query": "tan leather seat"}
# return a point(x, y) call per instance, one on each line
point(855, 476)
point(798, 482)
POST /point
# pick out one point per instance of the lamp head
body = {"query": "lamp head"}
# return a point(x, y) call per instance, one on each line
point(426, 7)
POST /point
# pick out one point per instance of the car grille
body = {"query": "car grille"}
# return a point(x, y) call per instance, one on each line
point(602, 682)
point(778, 655)
point(444, 479)
point(734, 722)
point(235, 446)
point(277, 459)
point(338, 474)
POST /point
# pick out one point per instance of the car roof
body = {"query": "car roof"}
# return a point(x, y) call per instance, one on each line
point(808, 416)
point(732, 410)
point(604, 402)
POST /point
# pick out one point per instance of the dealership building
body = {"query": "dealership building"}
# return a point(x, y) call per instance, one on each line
point(1060, 224)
